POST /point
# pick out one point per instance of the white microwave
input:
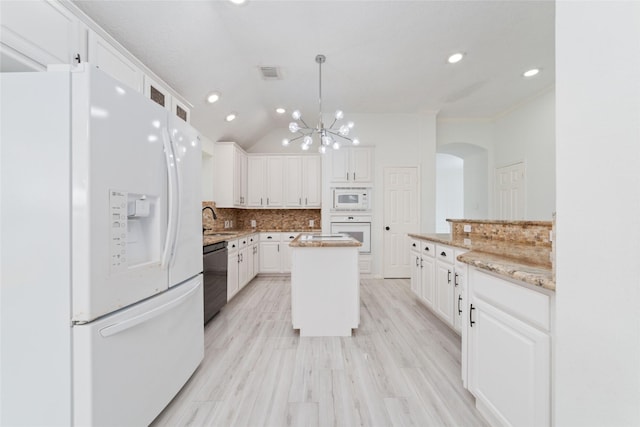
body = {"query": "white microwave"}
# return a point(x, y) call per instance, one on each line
point(351, 199)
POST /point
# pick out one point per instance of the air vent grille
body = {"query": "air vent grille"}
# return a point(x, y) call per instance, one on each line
point(270, 73)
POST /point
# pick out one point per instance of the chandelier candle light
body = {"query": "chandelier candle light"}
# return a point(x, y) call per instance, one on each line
point(328, 137)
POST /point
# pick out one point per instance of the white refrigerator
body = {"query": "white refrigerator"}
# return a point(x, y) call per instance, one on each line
point(100, 249)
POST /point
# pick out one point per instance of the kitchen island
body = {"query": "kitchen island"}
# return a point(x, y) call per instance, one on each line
point(325, 285)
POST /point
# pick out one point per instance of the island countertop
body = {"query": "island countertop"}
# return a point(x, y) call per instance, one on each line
point(317, 240)
point(211, 237)
point(524, 262)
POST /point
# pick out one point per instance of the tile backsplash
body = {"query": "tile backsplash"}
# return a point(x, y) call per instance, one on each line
point(266, 219)
point(536, 233)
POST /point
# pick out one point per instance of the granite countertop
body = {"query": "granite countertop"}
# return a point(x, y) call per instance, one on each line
point(210, 237)
point(316, 240)
point(524, 262)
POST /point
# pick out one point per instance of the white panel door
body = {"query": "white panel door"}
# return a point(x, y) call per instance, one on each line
point(312, 181)
point(401, 216)
point(186, 259)
point(256, 188)
point(119, 196)
point(293, 181)
point(510, 192)
point(275, 181)
point(106, 57)
point(509, 367)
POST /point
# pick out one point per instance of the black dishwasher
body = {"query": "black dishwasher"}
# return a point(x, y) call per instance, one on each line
point(215, 278)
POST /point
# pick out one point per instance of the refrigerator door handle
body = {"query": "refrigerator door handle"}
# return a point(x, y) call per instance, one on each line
point(177, 199)
point(172, 205)
point(144, 317)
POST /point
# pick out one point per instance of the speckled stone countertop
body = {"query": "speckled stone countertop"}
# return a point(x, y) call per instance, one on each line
point(211, 237)
point(524, 262)
point(302, 242)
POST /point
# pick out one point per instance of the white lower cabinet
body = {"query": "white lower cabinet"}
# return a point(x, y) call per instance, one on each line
point(433, 278)
point(509, 351)
point(275, 253)
point(232, 269)
point(241, 263)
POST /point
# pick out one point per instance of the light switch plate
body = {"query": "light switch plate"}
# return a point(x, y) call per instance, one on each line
point(311, 223)
point(253, 223)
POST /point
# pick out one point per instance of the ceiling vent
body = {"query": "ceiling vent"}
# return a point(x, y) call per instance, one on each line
point(270, 73)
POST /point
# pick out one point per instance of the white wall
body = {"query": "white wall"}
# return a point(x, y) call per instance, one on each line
point(597, 340)
point(449, 190)
point(527, 134)
point(207, 168)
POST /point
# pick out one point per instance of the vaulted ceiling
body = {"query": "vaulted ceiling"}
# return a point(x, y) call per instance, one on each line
point(383, 56)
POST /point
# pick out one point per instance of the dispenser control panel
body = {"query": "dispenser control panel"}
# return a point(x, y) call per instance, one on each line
point(118, 212)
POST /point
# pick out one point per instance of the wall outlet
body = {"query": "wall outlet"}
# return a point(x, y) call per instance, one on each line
point(226, 224)
point(253, 223)
point(311, 223)
point(231, 224)
point(466, 228)
point(550, 235)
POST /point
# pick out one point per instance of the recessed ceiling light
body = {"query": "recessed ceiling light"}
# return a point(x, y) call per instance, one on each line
point(213, 97)
point(530, 73)
point(238, 1)
point(231, 117)
point(456, 57)
point(280, 110)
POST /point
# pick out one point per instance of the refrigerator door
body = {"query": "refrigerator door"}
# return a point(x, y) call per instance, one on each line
point(129, 365)
point(186, 257)
point(119, 186)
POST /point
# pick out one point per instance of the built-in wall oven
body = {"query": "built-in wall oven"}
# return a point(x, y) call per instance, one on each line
point(356, 226)
point(215, 260)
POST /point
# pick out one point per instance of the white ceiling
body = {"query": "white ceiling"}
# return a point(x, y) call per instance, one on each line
point(385, 56)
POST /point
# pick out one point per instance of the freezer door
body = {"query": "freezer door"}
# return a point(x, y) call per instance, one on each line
point(129, 365)
point(186, 259)
point(119, 182)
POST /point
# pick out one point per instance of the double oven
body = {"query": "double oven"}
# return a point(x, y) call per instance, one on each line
point(351, 214)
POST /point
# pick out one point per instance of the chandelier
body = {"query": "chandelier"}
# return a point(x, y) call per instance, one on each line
point(330, 136)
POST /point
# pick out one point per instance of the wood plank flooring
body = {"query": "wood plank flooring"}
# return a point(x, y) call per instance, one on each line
point(401, 367)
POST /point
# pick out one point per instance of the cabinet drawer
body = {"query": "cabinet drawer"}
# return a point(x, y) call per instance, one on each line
point(269, 237)
point(288, 236)
point(414, 244)
point(445, 253)
point(232, 245)
point(428, 248)
point(243, 242)
point(531, 306)
point(253, 238)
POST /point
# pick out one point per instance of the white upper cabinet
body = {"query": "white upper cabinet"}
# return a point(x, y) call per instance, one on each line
point(352, 165)
point(230, 175)
point(106, 57)
point(38, 33)
point(265, 181)
point(303, 181)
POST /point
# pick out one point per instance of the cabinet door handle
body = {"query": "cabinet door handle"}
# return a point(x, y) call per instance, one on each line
point(269, 237)
point(448, 276)
point(421, 261)
point(305, 201)
point(387, 228)
point(459, 309)
point(278, 247)
point(443, 253)
point(471, 321)
point(354, 176)
point(413, 244)
point(78, 59)
point(426, 248)
point(238, 258)
point(347, 176)
point(241, 257)
point(455, 279)
point(267, 201)
point(417, 265)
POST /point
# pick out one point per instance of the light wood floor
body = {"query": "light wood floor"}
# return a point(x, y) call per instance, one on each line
point(401, 367)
